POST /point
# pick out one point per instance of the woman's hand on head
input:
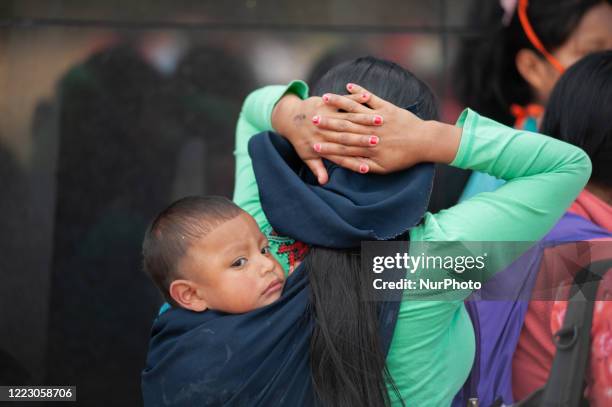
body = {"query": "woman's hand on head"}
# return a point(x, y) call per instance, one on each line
point(403, 139)
point(311, 123)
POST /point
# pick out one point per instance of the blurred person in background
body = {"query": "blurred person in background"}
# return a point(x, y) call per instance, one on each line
point(579, 112)
point(212, 83)
point(508, 72)
point(118, 143)
point(12, 370)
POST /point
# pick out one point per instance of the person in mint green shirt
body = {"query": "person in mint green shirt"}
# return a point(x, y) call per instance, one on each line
point(432, 347)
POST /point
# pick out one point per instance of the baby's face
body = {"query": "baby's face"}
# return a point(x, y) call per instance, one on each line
point(233, 267)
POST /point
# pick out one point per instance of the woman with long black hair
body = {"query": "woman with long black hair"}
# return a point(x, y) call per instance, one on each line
point(317, 194)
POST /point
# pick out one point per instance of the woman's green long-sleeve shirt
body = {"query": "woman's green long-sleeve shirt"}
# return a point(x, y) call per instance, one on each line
point(433, 344)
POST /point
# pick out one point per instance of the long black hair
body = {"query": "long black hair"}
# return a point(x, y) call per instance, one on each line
point(486, 77)
point(580, 110)
point(347, 362)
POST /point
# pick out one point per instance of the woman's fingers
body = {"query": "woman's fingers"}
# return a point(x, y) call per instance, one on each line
point(373, 101)
point(360, 118)
point(357, 164)
point(340, 125)
point(348, 139)
point(318, 169)
point(352, 111)
point(325, 149)
point(350, 104)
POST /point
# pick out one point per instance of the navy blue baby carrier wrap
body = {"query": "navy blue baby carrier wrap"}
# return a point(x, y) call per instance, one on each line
point(261, 358)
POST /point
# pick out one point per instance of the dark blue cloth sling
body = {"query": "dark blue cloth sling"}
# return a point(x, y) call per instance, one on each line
point(217, 359)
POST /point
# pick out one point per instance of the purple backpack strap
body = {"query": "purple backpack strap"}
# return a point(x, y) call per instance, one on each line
point(575, 228)
point(498, 324)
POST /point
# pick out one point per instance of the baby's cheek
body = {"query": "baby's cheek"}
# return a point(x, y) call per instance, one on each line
point(273, 298)
point(243, 294)
point(252, 291)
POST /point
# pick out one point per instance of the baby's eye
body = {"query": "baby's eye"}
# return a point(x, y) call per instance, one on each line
point(266, 250)
point(239, 262)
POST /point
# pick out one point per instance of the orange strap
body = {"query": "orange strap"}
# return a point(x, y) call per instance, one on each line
point(533, 38)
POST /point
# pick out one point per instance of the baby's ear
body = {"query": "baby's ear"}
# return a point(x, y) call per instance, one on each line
point(185, 294)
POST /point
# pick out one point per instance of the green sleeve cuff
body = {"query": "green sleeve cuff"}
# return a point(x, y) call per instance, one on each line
point(297, 87)
point(468, 120)
point(258, 106)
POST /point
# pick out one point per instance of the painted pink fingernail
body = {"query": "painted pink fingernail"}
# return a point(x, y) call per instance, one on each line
point(317, 147)
point(316, 119)
point(364, 96)
point(373, 140)
point(325, 98)
point(363, 168)
point(350, 86)
point(378, 120)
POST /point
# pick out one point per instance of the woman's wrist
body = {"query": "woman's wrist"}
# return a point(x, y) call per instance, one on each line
point(441, 141)
point(284, 112)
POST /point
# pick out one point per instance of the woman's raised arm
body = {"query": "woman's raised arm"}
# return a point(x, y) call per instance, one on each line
point(255, 117)
point(544, 177)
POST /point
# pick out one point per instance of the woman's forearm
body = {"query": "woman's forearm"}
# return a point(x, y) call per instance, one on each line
point(544, 176)
point(285, 112)
point(515, 155)
point(255, 117)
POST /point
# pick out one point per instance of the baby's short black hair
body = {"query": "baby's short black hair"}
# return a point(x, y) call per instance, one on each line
point(171, 233)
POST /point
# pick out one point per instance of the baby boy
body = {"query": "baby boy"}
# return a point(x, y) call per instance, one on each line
point(207, 253)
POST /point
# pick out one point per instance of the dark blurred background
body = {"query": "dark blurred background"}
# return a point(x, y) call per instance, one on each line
point(109, 111)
